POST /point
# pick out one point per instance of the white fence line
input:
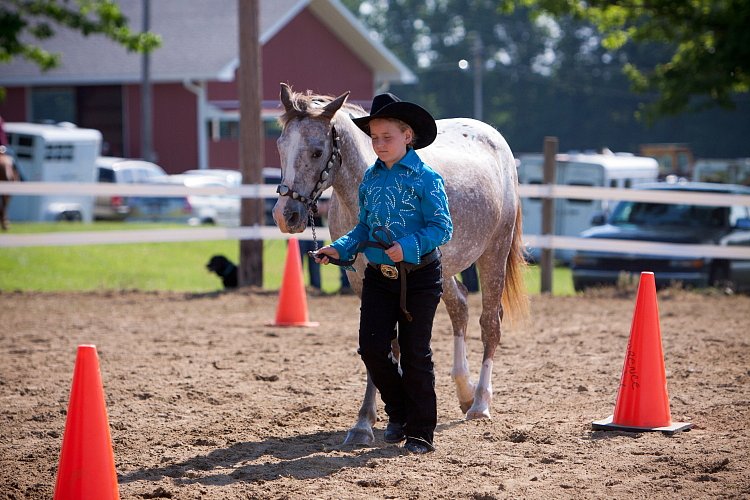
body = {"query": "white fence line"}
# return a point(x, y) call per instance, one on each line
point(148, 190)
point(271, 232)
point(647, 195)
point(269, 191)
point(156, 236)
point(637, 247)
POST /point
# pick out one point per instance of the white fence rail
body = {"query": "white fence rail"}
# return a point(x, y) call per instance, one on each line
point(111, 189)
point(271, 232)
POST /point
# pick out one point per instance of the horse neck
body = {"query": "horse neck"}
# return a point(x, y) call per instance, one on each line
point(356, 156)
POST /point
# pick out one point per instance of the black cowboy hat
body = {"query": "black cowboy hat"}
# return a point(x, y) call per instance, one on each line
point(389, 106)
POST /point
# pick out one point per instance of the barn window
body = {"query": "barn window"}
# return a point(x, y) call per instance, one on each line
point(53, 105)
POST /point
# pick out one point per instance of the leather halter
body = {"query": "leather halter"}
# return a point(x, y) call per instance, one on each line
point(311, 201)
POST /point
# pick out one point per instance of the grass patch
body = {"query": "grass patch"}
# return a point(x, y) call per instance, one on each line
point(562, 280)
point(178, 266)
point(157, 266)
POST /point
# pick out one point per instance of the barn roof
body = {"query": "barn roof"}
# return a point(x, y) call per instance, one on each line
point(199, 42)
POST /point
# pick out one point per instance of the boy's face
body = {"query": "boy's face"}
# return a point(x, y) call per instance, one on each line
point(388, 140)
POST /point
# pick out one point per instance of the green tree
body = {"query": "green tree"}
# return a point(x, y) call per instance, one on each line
point(708, 41)
point(539, 76)
point(547, 72)
point(23, 21)
point(433, 37)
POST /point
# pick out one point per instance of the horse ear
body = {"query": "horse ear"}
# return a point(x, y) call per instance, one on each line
point(286, 96)
point(334, 105)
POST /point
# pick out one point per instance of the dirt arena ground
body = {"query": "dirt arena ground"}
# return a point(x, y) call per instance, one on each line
point(207, 402)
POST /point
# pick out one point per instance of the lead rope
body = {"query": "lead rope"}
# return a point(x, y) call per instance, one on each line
point(312, 226)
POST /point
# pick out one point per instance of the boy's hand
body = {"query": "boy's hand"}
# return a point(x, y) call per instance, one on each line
point(321, 256)
point(395, 253)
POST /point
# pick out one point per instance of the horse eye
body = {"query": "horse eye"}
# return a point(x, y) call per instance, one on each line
point(317, 153)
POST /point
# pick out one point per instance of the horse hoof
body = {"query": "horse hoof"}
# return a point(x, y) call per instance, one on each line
point(477, 413)
point(465, 407)
point(359, 437)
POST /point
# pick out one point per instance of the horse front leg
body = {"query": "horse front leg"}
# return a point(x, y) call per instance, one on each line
point(361, 433)
point(455, 297)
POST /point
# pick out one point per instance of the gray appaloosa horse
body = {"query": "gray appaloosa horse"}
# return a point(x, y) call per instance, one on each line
point(321, 147)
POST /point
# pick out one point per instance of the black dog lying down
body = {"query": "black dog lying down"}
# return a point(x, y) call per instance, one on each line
point(225, 269)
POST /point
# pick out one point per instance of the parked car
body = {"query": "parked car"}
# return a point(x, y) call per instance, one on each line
point(228, 176)
point(670, 223)
point(218, 209)
point(122, 170)
point(271, 175)
point(137, 208)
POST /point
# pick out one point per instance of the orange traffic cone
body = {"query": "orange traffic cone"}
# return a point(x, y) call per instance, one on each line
point(642, 399)
point(87, 464)
point(292, 308)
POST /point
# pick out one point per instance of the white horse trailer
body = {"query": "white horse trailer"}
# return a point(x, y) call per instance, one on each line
point(54, 153)
point(616, 170)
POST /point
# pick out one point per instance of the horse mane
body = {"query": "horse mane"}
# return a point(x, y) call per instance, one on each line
point(309, 105)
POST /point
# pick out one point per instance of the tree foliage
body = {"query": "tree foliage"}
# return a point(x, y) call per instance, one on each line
point(708, 40)
point(22, 22)
point(546, 71)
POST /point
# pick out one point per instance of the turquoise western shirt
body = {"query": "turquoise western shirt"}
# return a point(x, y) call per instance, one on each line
point(409, 199)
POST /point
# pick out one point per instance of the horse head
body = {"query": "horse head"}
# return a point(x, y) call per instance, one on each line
point(310, 152)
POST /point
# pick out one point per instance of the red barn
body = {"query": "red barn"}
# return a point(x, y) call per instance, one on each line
point(310, 44)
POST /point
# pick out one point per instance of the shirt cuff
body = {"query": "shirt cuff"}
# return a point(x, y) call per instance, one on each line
point(346, 247)
point(410, 248)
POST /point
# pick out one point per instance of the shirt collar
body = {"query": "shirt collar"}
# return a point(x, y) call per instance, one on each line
point(410, 160)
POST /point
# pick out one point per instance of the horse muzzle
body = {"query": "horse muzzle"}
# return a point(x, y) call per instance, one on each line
point(290, 215)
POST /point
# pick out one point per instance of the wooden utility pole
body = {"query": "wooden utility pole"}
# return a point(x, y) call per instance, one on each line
point(147, 127)
point(548, 212)
point(251, 137)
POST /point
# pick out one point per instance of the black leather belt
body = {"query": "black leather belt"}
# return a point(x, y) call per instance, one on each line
point(392, 272)
point(401, 269)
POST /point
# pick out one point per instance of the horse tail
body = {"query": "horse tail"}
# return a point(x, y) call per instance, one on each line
point(515, 299)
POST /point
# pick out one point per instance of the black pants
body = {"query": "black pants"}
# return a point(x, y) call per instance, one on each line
point(409, 398)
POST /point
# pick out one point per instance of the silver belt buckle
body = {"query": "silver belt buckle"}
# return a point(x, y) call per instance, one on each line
point(390, 272)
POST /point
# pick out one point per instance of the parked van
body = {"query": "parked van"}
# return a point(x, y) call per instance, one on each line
point(615, 170)
point(53, 153)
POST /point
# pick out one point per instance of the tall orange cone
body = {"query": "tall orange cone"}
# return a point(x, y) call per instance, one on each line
point(292, 307)
point(642, 399)
point(87, 464)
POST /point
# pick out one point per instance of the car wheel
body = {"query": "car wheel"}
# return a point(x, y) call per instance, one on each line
point(69, 216)
point(719, 278)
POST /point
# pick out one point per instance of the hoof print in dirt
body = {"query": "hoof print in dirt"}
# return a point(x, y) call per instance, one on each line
point(157, 493)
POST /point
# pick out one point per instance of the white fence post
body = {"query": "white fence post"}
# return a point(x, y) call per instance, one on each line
point(548, 213)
